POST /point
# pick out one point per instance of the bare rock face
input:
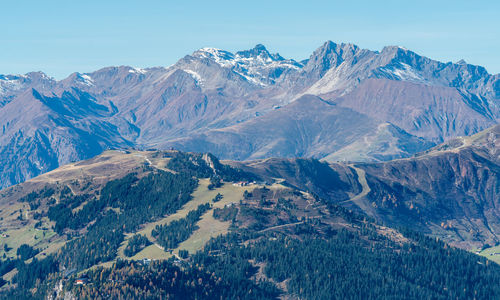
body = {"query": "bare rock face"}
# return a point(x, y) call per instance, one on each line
point(433, 112)
point(246, 105)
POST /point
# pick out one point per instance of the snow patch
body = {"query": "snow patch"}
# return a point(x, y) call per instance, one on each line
point(403, 72)
point(137, 71)
point(85, 79)
point(254, 69)
point(292, 66)
point(250, 79)
point(221, 57)
point(195, 76)
point(44, 76)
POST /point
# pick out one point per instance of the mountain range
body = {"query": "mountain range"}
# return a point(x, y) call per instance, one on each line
point(343, 103)
point(155, 224)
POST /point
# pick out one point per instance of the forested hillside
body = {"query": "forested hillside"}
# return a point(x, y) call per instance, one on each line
point(184, 225)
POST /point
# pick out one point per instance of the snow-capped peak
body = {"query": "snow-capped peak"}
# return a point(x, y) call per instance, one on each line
point(253, 65)
point(222, 57)
point(258, 55)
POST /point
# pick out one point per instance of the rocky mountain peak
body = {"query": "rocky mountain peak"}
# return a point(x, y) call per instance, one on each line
point(222, 57)
point(330, 55)
point(395, 50)
point(259, 51)
point(257, 66)
point(397, 54)
point(218, 92)
point(258, 55)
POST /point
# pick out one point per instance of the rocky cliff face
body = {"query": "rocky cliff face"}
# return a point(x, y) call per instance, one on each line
point(247, 105)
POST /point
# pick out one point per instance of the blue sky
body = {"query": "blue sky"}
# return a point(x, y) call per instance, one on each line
point(60, 37)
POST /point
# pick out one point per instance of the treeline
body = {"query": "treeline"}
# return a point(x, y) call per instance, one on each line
point(228, 213)
point(34, 198)
point(62, 213)
point(124, 204)
point(192, 164)
point(35, 272)
point(5, 267)
point(345, 264)
point(46, 192)
point(25, 252)
point(165, 280)
point(195, 165)
point(133, 201)
point(169, 236)
point(149, 197)
point(348, 266)
point(135, 244)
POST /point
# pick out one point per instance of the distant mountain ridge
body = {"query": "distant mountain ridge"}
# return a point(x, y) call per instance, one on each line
point(247, 105)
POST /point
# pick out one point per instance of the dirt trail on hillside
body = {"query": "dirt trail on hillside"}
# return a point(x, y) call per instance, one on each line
point(365, 189)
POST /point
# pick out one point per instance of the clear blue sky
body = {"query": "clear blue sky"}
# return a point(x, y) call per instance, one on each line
point(60, 37)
